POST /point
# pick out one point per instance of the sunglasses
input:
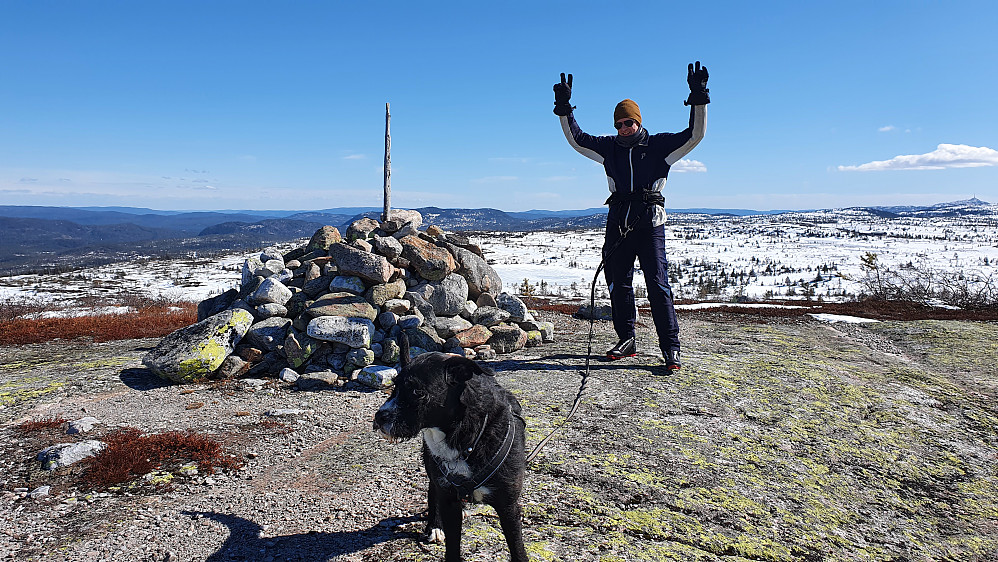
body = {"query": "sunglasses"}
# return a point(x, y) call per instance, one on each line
point(625, 123)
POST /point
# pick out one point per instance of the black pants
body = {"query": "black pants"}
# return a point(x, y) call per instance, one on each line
point(648, 246)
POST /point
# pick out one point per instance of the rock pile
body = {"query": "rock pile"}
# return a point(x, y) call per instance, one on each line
point(334, 308)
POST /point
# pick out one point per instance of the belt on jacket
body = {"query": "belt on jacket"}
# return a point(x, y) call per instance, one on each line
point(647, 197)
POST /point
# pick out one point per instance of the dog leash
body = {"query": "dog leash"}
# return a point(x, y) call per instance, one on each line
point(592, 322)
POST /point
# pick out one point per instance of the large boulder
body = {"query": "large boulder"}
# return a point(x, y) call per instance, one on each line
point(270, 291)
point(447, 296)
point(268, 334)
point(431, 262)
point(194, 352)
point(341, 304)
point(323, 239)
point(514, 306)
point(366, 265)
point(216, 304)
point(379, 294)
point(387, 246)
point(361, 229)
point(447, 326)
point(474, 336)
point(507, 338)
point(479, 274)
point(398, 218)
point(354, 332)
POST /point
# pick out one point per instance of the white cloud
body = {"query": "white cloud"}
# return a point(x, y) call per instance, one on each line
point(687, 165)
point(354, 157)
point(887, 129)
point(944, 156)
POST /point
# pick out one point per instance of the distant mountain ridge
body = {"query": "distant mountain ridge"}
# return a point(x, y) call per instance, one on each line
point(66, 235)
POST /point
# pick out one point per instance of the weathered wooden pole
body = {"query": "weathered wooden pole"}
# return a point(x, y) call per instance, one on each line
point(388, 164)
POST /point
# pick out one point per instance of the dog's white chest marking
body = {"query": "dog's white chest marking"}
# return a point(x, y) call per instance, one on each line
point(449, 458)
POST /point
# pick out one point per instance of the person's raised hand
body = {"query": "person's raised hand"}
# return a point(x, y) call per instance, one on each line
point(563, 96)
point(696, 77)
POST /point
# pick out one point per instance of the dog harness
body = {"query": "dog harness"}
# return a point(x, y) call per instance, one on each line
point(464, 486)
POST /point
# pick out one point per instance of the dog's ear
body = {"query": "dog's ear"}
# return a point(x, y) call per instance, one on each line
point(461, 369)
point(404, 357)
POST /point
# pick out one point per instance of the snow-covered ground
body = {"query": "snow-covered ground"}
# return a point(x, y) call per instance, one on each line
point(777, 256)
point(711, 258)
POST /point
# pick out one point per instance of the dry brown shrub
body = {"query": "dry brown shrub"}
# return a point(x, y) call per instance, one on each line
point(151, 321)
point(130, 454)
point(32, 426)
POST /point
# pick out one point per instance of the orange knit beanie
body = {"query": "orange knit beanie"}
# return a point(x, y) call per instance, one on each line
point(626, 109)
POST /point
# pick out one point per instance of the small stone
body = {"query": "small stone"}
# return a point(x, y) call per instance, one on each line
point(377, 376)
point(65, 454)
point(39, 492)
point(81, 425)
point(288, 375)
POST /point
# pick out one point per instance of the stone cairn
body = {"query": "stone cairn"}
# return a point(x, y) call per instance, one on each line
point(333, 310)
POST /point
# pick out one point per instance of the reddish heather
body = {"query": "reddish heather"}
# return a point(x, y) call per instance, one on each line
point(130, 454)
point(148, 322)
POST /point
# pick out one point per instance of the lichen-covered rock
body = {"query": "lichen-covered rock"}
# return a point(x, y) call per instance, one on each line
point(390, 351)
point(361, 229)
point(270, 310)
point(377, 376)
point(507, 338)
point(360, 357)
point(194, 352)
point(381, 293)
point(323, 239)
point(347, 283)
point(299, 347)
point(534, 338)
point(432, 262)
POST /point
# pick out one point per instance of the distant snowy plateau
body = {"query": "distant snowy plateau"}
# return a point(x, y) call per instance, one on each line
point(712, 257)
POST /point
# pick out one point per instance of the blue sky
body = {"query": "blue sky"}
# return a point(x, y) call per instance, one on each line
point(280, 105)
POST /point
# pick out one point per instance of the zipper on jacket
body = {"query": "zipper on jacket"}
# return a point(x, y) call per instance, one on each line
point(630, 161)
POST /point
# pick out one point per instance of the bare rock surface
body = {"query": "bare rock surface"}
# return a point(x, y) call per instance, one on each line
point(782, 439)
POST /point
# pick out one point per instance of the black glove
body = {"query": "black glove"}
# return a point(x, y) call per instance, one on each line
point(697, 79)
point(562, 95)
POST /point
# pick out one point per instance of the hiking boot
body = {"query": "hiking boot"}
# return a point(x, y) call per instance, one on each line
point(672, 361)
point(624, 348)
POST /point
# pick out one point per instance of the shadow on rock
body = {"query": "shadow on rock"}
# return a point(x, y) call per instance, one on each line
point(142, 379)
point(245, 543)
point(571, 362)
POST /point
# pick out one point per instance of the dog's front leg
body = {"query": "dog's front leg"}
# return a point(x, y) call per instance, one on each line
point(434, 526)
point(451, 516)
point(510, 519)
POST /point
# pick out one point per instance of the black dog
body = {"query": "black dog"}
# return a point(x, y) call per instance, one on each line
point(473, 442)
